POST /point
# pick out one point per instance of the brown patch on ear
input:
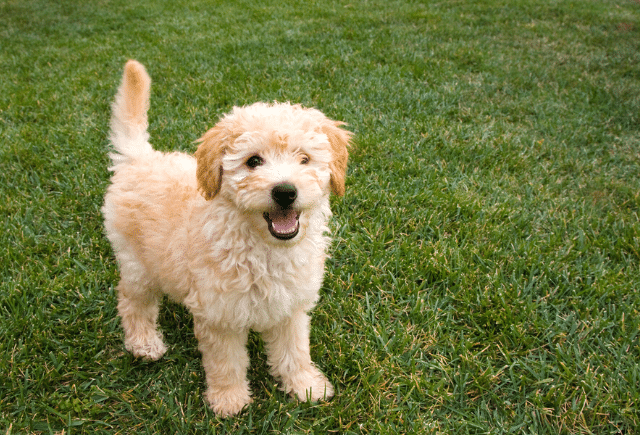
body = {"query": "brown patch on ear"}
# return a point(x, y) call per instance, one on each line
point(339, 140)
point(209, 161)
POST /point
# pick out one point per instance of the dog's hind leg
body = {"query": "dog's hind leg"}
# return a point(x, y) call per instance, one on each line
point(138, 308)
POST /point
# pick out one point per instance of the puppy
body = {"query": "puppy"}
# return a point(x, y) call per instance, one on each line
point(237, 233)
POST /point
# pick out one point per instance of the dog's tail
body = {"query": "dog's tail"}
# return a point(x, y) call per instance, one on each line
point(129, 135)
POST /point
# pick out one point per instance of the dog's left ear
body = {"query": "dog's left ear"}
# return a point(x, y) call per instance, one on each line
point(209, 161)
point(339, 139)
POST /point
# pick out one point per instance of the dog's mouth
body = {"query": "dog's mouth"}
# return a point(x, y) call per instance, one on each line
point(284, 223)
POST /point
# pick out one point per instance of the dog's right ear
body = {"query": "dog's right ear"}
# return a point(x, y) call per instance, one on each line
point(209, 161)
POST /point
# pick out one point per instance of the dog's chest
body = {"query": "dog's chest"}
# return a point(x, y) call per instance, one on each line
point(257, 289)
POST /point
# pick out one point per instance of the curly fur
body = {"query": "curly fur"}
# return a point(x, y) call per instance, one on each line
point(211, 232)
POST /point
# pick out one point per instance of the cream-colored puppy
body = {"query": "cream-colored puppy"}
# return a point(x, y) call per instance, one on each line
point(238, 234)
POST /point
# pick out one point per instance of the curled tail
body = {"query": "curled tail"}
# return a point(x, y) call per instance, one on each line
point(129, 135)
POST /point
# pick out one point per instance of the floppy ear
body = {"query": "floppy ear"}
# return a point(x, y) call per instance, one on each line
point(209, 161)
point(339, 140)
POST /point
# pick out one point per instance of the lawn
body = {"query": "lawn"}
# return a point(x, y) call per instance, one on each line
point(486, 262)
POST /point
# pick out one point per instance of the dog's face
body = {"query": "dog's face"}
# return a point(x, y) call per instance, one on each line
point(275, 163)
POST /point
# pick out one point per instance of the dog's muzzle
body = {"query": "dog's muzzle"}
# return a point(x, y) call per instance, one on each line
point(284, 220)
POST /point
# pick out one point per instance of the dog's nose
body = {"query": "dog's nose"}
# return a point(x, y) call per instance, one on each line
point(284, 194)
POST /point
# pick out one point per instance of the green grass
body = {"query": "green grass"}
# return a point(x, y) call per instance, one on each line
point(485, 271)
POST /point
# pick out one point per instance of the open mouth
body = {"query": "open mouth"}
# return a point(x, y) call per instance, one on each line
point(283, 223)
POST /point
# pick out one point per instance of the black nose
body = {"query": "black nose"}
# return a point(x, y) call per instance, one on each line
point(284, 194)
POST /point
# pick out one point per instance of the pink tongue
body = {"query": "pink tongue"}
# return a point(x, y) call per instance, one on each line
point(284, 221)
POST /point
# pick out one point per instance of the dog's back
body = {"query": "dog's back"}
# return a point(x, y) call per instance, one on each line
point(151, 192)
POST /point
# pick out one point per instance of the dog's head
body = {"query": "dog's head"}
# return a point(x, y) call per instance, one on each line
point(276, 162)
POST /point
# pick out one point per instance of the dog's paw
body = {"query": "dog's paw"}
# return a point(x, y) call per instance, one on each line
point(149, 347)
point(310, 386)
point(228, 402)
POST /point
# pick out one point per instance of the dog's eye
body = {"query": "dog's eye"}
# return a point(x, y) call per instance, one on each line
point(304, 160)
point(254, 161)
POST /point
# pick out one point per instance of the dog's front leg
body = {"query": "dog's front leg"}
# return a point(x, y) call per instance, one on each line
point(288, 356)
point(225, 361)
